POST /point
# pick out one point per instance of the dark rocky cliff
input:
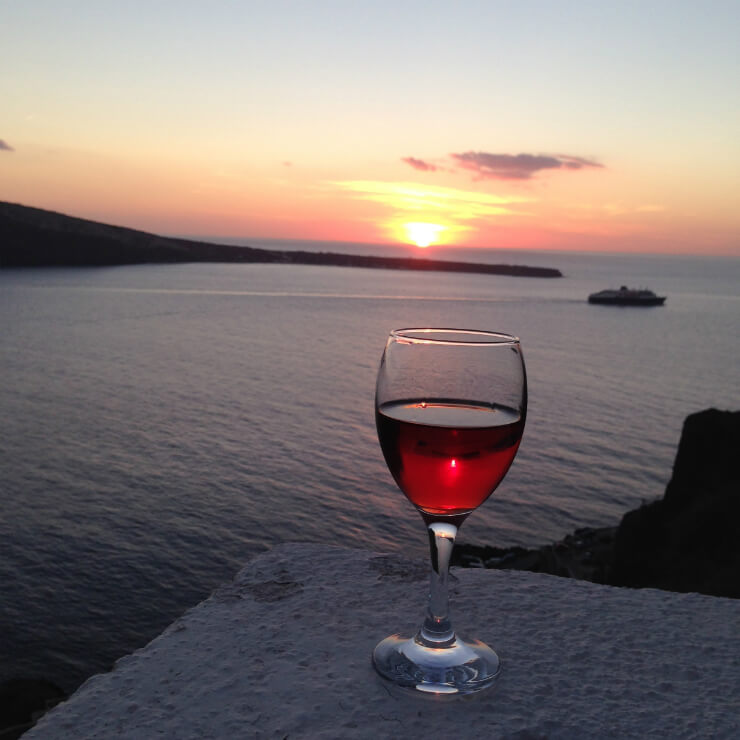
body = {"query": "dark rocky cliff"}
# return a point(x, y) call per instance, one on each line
point(690, 539)
point(687, 541)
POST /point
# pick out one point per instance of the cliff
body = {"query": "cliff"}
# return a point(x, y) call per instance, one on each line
point(687, 541)
point(31, 237)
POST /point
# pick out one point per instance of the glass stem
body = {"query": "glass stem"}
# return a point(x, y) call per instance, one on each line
point(437, 628)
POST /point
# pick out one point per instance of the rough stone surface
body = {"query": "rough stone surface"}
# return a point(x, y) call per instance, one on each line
point(284, 652)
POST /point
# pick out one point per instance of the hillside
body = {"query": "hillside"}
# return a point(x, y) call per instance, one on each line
point(32, 237)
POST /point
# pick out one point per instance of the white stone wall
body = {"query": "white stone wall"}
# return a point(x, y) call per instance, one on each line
point(284, 651)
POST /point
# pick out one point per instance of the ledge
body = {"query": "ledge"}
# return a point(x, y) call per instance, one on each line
point(284, 651)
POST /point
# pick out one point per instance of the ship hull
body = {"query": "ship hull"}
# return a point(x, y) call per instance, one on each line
point(626, 301)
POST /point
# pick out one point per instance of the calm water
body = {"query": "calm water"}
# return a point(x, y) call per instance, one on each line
point(162, 424)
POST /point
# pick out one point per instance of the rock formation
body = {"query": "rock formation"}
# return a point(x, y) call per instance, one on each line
point(687, 541)
point(690, 539)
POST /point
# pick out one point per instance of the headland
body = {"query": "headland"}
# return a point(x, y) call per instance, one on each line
point(32, 237)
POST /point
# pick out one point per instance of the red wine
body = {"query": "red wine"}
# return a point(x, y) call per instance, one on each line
point(446, 456)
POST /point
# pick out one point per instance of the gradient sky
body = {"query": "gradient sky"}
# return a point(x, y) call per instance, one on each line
point(559, 124)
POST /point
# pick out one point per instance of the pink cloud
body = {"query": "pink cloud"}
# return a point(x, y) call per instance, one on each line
point(419, 164)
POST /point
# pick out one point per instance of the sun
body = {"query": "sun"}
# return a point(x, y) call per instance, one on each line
point(422, 234)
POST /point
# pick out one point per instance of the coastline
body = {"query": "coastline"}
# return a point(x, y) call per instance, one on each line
point(586, 554)
point(687, 541)
point(32, 237)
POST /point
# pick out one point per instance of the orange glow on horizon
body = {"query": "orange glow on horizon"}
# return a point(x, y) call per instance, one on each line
point(199, 199)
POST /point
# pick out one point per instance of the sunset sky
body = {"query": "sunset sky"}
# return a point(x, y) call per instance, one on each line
point(549, 124)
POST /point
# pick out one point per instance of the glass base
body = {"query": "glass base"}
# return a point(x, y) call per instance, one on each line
point(451, 668)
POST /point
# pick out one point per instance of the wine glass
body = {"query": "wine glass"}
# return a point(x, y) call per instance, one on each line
point(450, 406)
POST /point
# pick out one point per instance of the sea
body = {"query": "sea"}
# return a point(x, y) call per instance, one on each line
point(163, 424)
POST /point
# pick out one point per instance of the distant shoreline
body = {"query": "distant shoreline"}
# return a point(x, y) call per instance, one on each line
point(32, 237)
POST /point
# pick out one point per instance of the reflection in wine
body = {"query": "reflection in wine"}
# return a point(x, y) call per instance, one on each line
point(448, 457)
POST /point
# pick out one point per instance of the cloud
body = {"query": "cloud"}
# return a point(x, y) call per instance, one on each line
point(5, 147)
point(517, 166)
point(419, 164)
point(452, 203)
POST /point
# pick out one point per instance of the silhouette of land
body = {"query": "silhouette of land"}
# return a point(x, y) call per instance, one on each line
point(32, 237)
point(687, 541)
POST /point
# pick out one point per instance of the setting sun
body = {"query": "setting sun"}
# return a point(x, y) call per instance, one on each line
point(423, 234)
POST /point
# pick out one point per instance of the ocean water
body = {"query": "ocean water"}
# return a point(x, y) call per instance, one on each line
point(162, 424)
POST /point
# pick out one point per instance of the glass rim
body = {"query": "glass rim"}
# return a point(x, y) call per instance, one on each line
point(462, 337)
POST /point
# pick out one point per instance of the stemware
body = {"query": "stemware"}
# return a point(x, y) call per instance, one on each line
point(450, 407)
